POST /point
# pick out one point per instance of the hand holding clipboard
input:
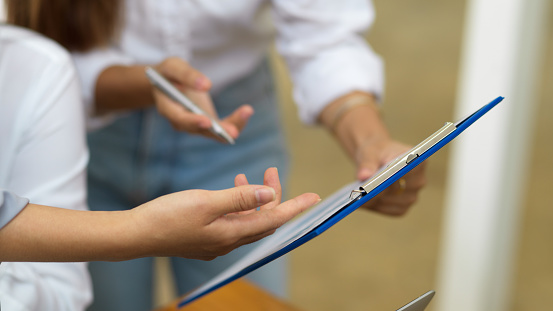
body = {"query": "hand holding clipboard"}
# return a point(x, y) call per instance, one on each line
point(339, 205)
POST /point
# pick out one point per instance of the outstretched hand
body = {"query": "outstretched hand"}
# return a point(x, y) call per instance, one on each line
point(202, 224)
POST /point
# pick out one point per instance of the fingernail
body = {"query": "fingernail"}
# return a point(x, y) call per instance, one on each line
point(200, 83)
point(246, 113)
point(265, 195)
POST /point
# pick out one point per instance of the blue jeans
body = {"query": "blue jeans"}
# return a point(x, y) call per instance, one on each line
point(140, 157)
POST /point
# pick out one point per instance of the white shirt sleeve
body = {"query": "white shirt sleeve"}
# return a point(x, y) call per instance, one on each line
point(43, 157)
point(10, 206)
point(327, 56)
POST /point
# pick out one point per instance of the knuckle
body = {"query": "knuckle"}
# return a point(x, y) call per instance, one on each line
point(222, 246)
point(226, 239)
point(422, 182)
point(225, 250)
point(397, 212)
point(199, 197)
point(411, 199)
point(275, 217)
point(241, 200)
point(276, 222)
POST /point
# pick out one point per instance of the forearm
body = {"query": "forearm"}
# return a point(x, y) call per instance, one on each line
point(122, 88)
point(49, 234)
point(355, 121)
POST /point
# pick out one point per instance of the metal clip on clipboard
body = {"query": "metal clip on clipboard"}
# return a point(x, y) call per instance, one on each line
point(402, 161)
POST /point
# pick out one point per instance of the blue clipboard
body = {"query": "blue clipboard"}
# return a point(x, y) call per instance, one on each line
point(336, 207)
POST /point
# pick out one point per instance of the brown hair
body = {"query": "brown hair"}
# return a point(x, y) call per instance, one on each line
point(78, 25)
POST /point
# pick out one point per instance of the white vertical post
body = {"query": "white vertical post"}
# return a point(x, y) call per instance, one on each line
point(501, 56)
point(2, 12)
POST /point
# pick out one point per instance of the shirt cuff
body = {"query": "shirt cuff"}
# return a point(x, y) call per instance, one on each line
point(336, 73)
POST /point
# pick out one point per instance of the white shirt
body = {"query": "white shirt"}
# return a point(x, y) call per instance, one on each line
point(320, 40)
point(43, 157)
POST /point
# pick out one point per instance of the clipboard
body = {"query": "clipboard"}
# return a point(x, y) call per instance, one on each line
point(333, 209)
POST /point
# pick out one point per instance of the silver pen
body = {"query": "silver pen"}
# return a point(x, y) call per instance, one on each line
point(172, 92)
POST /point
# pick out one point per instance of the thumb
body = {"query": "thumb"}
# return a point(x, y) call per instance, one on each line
point(368, 163)
point(241, 198)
